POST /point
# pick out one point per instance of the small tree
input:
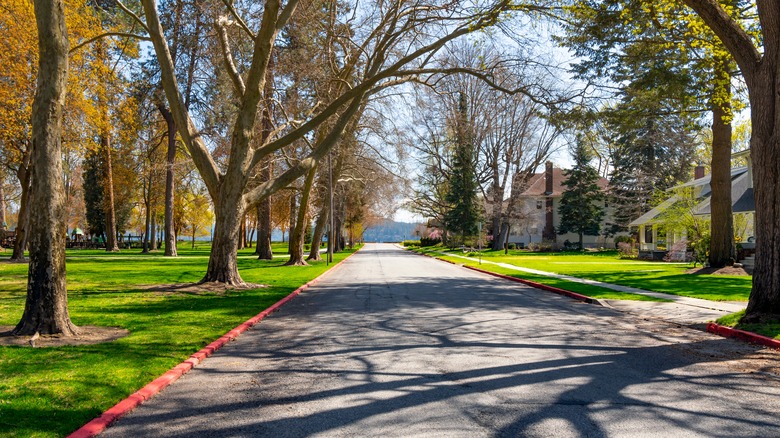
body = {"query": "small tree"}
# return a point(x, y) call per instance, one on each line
point(581, 207)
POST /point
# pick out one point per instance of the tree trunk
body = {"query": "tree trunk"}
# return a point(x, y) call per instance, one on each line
point(170, 235)
point(147, 224)
point(264, 249)
point(761, 70)
point(3, 218)
point(229, 211)
point(23, 218)
point(242, 233)
point(153, 230)
point(319, 230)
point(105, 146)
point(46, 307)
point(764, 303)
point(503, 236)
point(722, 251)
point(251, 234)
point(291, 225)
point(297, 235)
point(110, 211)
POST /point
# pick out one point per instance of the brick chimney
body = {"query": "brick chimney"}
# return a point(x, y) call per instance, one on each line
point(698, 172)
point(548, 178)
point(549, 230)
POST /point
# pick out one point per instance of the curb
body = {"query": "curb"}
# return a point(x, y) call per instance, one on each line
point(566, 293)
point(555, 290)
point(742, 335)
point(151, 389)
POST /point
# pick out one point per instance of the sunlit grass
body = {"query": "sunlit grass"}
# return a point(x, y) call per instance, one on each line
point(53, 391)
point(771, 330)
point(607, 267)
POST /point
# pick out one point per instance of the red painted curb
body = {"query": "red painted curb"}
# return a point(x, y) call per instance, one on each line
point(742, 335)
point(151, 389)
point(541, 286)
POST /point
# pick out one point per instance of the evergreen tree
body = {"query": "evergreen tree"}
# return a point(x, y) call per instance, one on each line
point(93, 192)
point(651, 154)
point(464, 213)
point(581, 208)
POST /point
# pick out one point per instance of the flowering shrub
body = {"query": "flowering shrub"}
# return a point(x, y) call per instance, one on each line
point(627, 250)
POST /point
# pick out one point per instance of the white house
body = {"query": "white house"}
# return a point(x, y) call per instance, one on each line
point(651, 223)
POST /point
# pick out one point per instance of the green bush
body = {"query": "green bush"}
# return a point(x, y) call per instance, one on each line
point(427, 241)
point(410, 243)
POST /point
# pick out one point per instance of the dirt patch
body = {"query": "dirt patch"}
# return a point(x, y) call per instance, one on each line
point(726, 270)
point(199, 288)
point(88, 334)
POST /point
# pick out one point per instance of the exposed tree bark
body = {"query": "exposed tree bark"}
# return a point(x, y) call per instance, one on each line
point(3, 218)
point(722, 251)
point(264, 250)
point(23, 218)
point(761, 70)
point(319, 230)
point(153, 230)
point(293, 219)
point(46, 307)
point(297, 234)
point(110, 210)
point(170, 235)
point(148, 219)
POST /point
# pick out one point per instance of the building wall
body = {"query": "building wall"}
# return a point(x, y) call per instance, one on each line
point(527, 231)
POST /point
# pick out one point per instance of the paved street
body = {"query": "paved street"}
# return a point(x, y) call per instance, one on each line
point(395, 344)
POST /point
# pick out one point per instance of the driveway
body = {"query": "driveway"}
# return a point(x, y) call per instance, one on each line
point(395, 344)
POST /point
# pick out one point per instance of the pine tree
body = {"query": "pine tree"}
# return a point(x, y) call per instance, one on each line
point(464, 213)
point(581, 208)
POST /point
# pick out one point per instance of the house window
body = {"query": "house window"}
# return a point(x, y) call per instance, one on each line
point(539, 204)
point(649, 235)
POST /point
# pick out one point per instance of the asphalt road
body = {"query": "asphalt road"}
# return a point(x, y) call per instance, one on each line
point(395, 344)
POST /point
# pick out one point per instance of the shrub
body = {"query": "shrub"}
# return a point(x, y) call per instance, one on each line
point(428, 241)
point(542, 247)
point(511, 246)
point(410, 243)
point(627, 250)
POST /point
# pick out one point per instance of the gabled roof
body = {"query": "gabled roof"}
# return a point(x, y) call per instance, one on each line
point(654, 215)
point(741, 198)
point(536, 184)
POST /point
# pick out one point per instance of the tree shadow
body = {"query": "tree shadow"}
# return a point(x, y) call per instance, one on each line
point(457, 356)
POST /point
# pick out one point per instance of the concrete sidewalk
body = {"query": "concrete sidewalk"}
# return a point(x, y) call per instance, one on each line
point(678, 309)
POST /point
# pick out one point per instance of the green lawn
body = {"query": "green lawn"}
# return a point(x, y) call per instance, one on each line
point(608, 268)
point(53, 391)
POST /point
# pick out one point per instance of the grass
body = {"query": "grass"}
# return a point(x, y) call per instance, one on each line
point(584, 289)
point(771, 330)
point(48, 392)
point(608, 268)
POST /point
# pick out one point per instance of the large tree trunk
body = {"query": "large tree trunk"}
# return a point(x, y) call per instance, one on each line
point(764, 301)
point(170, 235)
point(229, 211)
point(23, 218)
point(722, 251)
point(297, 234)
point(46, 308)
point(761, 70)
